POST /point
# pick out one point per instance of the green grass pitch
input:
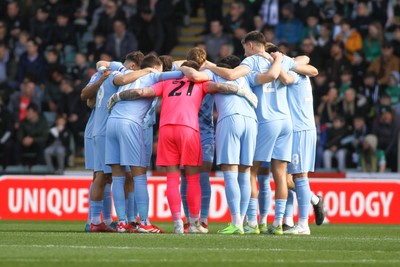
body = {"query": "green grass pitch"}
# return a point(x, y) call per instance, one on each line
point(37, 243)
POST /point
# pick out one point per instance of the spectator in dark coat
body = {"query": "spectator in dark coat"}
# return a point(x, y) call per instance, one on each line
point(110, 14)
point(42, 27)
point(121, 41)
point(32, 135)
point(148, 30)
point(32, 63)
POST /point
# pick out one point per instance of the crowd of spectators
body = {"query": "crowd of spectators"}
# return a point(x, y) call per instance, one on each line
point(48, 51)
point(356, 47)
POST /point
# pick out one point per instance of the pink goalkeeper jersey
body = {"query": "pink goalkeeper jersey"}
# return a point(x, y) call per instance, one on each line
point(181, 100)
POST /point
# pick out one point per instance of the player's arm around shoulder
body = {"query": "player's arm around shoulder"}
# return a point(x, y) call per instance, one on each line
point(194, 75)
point(273, 72)
point(132, 76)
point(286, 78)
point(229, 74)
point(130, 94)
point(302, 67)
point(90, 90)
point(228, 88)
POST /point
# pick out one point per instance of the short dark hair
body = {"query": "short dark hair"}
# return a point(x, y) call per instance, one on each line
point(136, 57)
point(231, 61)
point(254, 36)
point(150, 61)
point(192, 64)
point(166, 62)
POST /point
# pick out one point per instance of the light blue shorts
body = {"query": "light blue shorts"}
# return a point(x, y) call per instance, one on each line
point(274, 141)
point(125, 143)
point(303, 152)
point(100, 154)
point(89, 152)
point(236, 140)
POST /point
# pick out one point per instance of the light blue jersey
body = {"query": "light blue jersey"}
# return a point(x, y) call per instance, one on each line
point(90, 123)
point(106, 90)
point(300, 100)
point(206, 113)
point(128, 147)
point(272, 101)
point(274, 138)
point(88, 134)
point(236, 125)
point(150, 118)
point(230, 104)
point(135, 110)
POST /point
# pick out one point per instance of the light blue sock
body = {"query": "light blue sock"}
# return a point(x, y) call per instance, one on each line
point(107, 203)
point(135, 209)
point(264, 194)
point(303, 191)
point(232, 191)
point(96, 211)
point(142, 196)
point(245, 192)
point(119, 197)
point(205, 194)
point(130, 211)
point(289, 205)
point(183, 190)
point(280, 205)
point(90, 197)
point(252, 210)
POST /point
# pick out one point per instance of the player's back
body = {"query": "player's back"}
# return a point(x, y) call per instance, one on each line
point(181, 101)
point(101, 114)
point(135, 110)
point(300, 100)
point(229, 104)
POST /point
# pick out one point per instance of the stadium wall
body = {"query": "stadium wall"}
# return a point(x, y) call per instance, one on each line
point(347, 200)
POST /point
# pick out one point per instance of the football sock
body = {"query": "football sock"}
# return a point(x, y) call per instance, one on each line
point(205, 195)
point(232, 192)
point(142, 196)
point(107, 218)
point(183, 190)
point(90, 197)
point(236, 220)
point(280, 205)
point(264, 196)
point(193, 196)
point(173, 195)
point(130, 212)
point(314, 199)
point(204, 220)
point(252, 212)
point(96, 211)
point(303, 192)
point(119, 197)
point(288, 216)
point(245, 192)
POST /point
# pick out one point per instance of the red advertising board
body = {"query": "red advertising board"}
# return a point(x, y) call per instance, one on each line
point(66, 198)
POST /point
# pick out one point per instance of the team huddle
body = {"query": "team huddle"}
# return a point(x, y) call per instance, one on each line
point(265, 124)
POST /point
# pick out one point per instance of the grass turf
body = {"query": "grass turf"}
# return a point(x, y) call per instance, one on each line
point(39, 243)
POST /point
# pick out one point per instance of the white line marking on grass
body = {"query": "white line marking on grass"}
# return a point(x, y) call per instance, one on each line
point(206, 250)
point(204, 260)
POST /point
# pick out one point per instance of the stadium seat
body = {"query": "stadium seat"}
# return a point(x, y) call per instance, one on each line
point(41, 169)
point(17, 169)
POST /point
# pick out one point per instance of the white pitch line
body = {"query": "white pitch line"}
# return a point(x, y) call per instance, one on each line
point(204, 260)
point(51, 246)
